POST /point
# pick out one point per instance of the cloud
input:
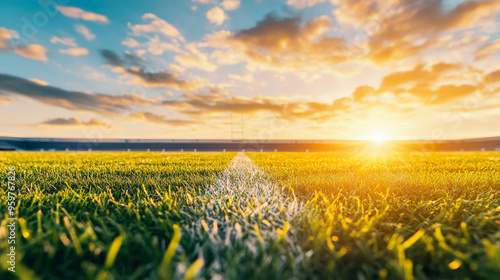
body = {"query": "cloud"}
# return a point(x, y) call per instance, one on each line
point(37, 52)
point(435, 84)
point(32, 51)
point(164, 79)
point(85, 32)
point(74, 122)
point(247, 78)
point(400, 92)
point(158, 119)
point(133, 66)
point(77, 13)
point(230, 5)
point(381, 32)
point(115, 60)
point(65, 41)
point(72, 100)
point(5, 36)
point(195, 59)
point(215, 103)
point(283, 44)
point(361, 92)
point(75, 51)
point(492, 77)
point(488, 50)
point(154, 45)
point(131, 43)
point(7, 99)
point(204, 1)
point(216, 15)
point(408, 28)
point(301, 4)
point(39, 82)
point(156, 25)
point(191, 61)
point(358, 13)
point(177, 68)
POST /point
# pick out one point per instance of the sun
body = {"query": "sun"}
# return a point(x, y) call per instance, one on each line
point(378, 136)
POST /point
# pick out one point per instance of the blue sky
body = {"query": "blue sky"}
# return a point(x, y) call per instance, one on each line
point(324, 69)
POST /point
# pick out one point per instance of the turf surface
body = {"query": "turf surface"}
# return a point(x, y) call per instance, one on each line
point(289, 215)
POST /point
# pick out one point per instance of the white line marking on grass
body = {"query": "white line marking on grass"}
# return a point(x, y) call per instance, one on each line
point(244, 209)
point(244, 181)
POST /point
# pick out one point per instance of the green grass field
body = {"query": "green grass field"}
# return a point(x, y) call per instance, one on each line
point(292, 216)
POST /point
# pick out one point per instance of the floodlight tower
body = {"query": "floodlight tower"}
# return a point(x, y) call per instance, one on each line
point(238, 129)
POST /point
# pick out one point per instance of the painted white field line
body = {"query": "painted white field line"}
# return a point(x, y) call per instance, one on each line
point(247, 183)
point(244, 179)
point(240, 198)
point(242, 211)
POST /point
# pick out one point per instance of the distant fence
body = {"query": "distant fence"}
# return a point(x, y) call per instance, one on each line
point(82, 144)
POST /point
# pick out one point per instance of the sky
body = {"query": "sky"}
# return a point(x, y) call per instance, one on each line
point(290, 69)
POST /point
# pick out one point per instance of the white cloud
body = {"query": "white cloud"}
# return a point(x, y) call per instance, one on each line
point(82, 29)
point(247, 78)
point(204, 1)
point(216, 15)
point(191, 61)
point(65, 41)
point(157, 25)
point(301, 4)
point(230, 5)
point(176, 68)
point(195, 59)
point(130, 42)
point(78, 13)
point(154, 45)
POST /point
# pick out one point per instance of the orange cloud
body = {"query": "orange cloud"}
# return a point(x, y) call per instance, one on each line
point(73, 123)
point(488, 50)
point(39, 82)
point(399, 93)
point(75, 51)
point(283, 44)
point(384, 32)
point(407, 28)
point(436, 84)
point(214, 103)
point(32, 51)
point(77, 13)
point(5, 35)
point(37, 52)
point(7, 99)
point(158, 119)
